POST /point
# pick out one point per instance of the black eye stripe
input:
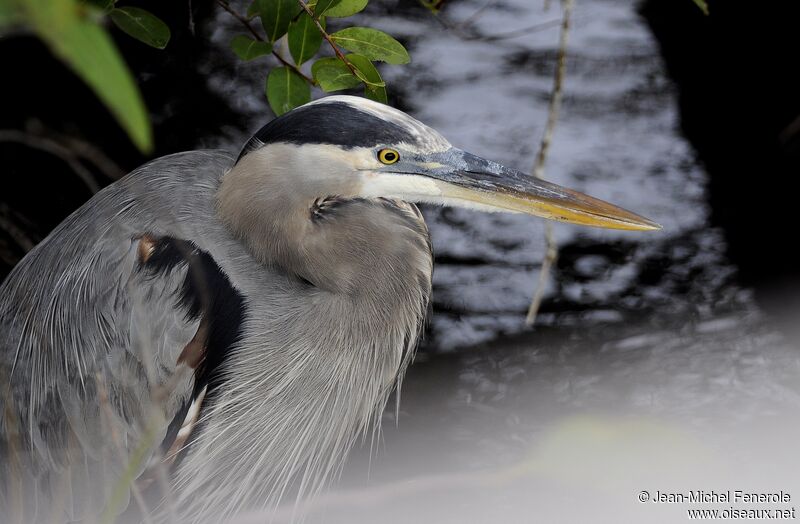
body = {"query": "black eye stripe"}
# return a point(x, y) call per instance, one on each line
point(335, 123)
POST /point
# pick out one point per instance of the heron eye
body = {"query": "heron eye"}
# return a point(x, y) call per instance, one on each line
point(388, 156)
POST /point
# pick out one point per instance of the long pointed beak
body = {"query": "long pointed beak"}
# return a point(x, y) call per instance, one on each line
point(483, 183)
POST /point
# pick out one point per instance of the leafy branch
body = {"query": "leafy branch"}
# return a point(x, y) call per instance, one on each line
point(303, 26)
point(328, 38)
point(74, 33)
point(247, 50)
point(702, 5)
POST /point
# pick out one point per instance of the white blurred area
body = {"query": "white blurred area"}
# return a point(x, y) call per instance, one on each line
point(572, 430)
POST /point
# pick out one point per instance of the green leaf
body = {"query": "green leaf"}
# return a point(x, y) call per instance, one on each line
point(252, 9)
point(373, 44)
point(248, 48)
point(141, 25)
point(702, 5)
point(333, 75)
point(286, 90)
point(89, 51)
point(376, 93)
point(323, 5)
point(304, 38)
point(433, 5)
point(346, 8)
point(9, 13)
point(276, 15)
point(104, 5)
point(374, 87)
point(371, 77)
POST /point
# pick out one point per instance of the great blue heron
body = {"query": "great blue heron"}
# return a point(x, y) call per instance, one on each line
point(279, 294)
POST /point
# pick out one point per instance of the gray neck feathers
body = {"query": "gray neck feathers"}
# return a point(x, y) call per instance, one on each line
point(316, 362)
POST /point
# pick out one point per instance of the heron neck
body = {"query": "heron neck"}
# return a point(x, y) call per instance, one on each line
point(305, 225)
point(315, 363)
point(312, 371)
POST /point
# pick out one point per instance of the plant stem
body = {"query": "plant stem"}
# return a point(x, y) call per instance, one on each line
point(246, 23)
point(328, 39)
point(55, 149)
point(551, 255)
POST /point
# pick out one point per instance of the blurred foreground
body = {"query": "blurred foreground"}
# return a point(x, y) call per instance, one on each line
point(570, 426)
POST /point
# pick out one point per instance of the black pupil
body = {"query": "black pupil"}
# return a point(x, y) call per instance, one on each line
point(389, 156)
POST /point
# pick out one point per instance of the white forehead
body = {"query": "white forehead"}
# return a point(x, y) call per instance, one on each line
point(428, 140)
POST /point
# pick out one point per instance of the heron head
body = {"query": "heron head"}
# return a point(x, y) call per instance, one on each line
point(353, 147)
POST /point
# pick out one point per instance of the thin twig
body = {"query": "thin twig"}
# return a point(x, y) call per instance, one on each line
point(115, 438)
point(246, 23)
point(191, 18)
point(328, 39)
point(54, 148)
point(293, 67)
point(465, 31)
point(550, 257)
point(433, 5)
point(551, 254)
point(7, 257)
point(153, 423)
point(14, 491)
point(790, 131)
point(514, 33)
point(80, 148)
point(17, 235)
point(478, 12)
point(241, 18)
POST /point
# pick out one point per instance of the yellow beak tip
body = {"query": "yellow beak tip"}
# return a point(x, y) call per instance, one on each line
point(650, 226)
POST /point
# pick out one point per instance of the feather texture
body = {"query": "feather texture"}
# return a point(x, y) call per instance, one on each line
point(92, 339)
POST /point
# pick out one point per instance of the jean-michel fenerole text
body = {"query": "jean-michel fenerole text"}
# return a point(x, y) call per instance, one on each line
point(717, 497)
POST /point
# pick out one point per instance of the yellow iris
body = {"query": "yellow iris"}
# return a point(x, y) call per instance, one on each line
point(388, 156)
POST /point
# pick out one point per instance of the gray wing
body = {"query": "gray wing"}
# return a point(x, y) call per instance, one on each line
point(101, 329)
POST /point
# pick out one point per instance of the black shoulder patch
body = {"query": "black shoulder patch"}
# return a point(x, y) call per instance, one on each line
point(335, 123)
point(206, 294)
